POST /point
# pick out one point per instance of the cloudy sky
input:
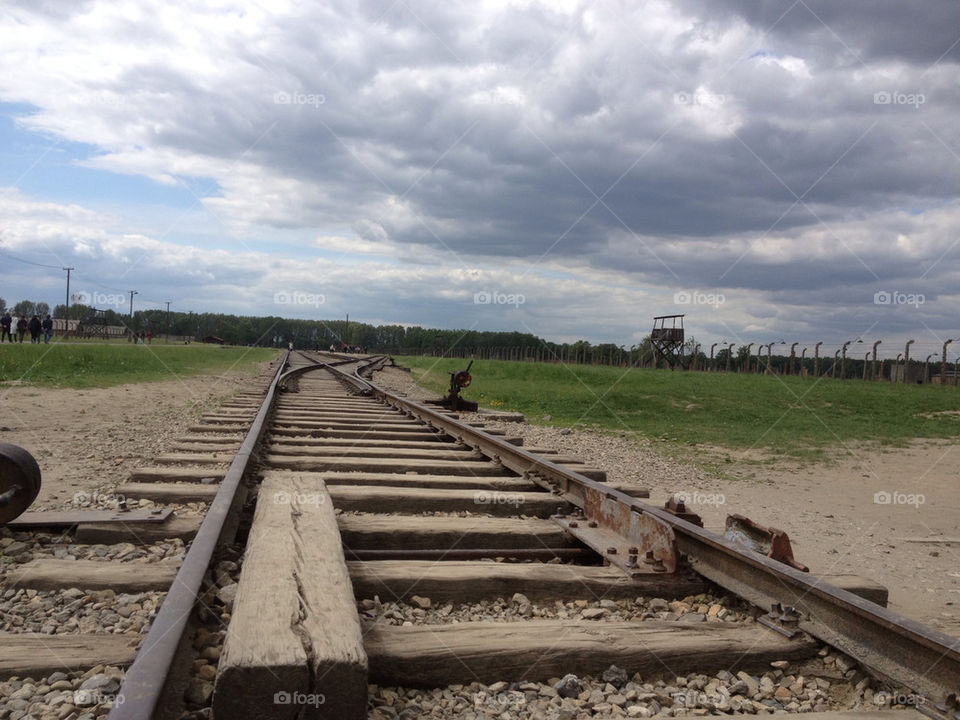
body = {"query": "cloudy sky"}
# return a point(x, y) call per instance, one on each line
point(776, 170)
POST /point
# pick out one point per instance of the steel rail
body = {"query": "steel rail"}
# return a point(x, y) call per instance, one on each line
point(893, 647)
point(145, 679)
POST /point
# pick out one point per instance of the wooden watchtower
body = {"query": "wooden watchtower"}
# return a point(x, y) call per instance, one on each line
point(667, 340)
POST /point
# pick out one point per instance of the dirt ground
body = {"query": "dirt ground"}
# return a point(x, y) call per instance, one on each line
point(90, 439)
point(856, 514)
point(863, 514)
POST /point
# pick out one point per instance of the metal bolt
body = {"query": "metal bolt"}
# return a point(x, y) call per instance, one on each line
point(611, 551)
point(659, 567)
point(574, 523)
point(648, 558)
point(592, 523)
point(633, 550)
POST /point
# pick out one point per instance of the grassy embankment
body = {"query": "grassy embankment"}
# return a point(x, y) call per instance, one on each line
point(724, 414)
point(81, 365)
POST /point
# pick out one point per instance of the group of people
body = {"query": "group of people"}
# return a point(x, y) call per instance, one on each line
point(15, 327)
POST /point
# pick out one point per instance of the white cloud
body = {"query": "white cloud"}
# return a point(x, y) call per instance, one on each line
point(637, 149)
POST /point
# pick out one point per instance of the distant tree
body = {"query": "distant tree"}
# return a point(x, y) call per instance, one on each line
point(25, 307)
point(42, 308)
point(77, 311)
point(720, 359)
point(3, 305)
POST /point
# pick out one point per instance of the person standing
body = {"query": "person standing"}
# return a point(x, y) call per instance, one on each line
point(34, 330)
point(14, 326)
point(21, 327)
point(47, 326)
point(5, 322)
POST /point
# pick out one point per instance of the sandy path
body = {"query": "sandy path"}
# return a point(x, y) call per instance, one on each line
point(91, 438)
point(855, 515)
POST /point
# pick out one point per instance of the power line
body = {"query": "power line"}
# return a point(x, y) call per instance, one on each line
point(30, 262)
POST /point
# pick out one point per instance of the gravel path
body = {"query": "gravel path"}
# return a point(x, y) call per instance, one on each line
point(830, 682)
point(421, 611)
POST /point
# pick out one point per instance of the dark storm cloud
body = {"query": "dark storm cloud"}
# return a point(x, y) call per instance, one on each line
point(872, 29)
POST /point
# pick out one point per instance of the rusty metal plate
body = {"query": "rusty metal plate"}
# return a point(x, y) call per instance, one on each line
point(637, 543)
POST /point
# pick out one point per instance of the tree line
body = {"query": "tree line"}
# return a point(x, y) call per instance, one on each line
point(274, 331)
point(27, 308)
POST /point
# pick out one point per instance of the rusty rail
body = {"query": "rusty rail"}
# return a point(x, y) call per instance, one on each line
point(144, 683)
point(892, 646)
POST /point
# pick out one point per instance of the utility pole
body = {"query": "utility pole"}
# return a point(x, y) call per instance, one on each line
point(346, 328)
point(168, 318)
point(67, 311)
point(132, 293)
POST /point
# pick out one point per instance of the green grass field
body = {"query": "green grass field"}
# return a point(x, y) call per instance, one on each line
point(779, 416)
point(80, 365)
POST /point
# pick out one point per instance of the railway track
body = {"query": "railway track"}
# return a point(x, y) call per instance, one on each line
point(355, 554)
